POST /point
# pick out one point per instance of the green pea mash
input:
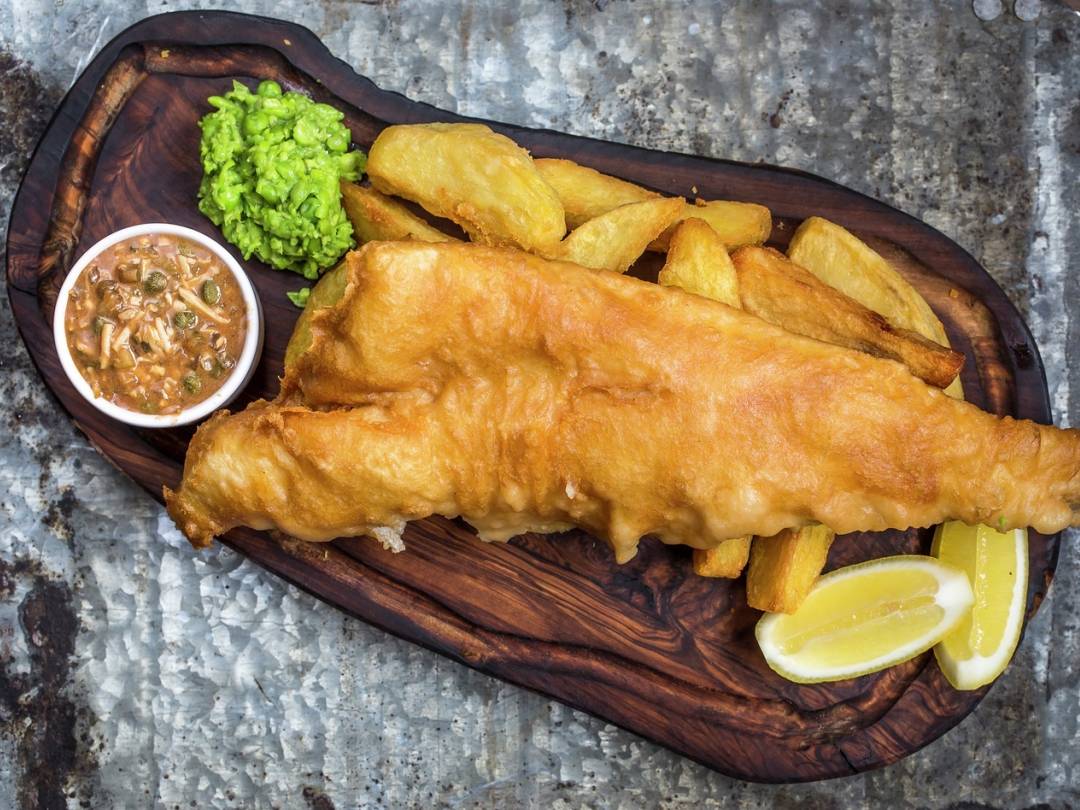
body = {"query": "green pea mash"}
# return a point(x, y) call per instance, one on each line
point(272, 164)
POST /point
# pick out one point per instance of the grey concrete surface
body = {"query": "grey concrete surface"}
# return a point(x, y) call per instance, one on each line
point(134, 672)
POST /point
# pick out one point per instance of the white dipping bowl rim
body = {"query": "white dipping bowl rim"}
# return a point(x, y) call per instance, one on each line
point(241, 373)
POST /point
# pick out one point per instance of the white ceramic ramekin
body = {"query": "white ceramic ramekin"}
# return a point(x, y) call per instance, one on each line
point(241, 373)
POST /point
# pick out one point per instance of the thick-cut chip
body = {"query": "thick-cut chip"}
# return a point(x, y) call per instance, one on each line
point(698, 262)
point(324, 294)
point(376, 217)
point(736, 223)
point(784, 567)
point(587, 193)
point(845, 262)
point(615, 240)
point(726, 560)
point(779, 291)
point(467, 173)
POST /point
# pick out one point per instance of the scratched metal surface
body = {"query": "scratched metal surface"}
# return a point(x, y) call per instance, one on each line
point(134, 672)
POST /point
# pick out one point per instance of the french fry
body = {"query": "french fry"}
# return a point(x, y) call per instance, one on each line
point(777, 290)
point(845, 262)
point(698, 262)
point(376, 217)
point(586, 194)
point(615, 240)
point(784, 567)
point(467, 173)
point(726, 560)
point(736, 223)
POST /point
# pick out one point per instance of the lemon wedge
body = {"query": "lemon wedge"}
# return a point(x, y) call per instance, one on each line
point(866, 617)
point(996, 563)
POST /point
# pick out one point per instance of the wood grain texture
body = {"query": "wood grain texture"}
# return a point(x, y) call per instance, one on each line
point(647, 645)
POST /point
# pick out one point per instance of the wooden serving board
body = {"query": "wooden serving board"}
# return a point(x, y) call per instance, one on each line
point(647, 645)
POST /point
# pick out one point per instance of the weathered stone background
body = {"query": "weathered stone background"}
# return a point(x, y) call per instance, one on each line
point(136, 673)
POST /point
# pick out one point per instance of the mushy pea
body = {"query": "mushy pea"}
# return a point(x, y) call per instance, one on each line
point(272, 164)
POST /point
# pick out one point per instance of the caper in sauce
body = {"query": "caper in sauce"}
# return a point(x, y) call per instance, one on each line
point(155, 282)
point(211, 292)
point(184, 319)
point(191, 382)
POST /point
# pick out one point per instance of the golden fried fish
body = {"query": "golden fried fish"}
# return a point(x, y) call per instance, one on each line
point(523, 394)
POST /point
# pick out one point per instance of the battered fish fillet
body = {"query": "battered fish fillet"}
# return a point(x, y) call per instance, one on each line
point(523, 394)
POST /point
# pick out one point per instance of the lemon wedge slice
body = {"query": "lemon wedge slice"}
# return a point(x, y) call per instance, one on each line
point(996, 563)
point(866, 617)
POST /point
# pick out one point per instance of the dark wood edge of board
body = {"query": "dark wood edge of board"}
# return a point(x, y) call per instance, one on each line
point(304, 51)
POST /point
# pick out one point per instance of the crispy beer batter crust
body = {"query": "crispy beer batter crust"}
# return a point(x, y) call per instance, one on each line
point(523, 394)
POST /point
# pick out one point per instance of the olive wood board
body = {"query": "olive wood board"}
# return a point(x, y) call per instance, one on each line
point(648, 645)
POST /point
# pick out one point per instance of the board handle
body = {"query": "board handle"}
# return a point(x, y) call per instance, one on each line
point(77, 173)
